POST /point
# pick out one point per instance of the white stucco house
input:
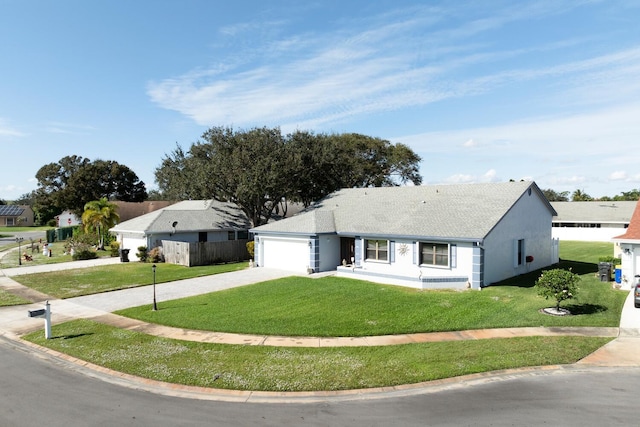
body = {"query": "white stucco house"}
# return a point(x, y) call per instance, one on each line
point(187, 221)
point(432, 236)
point(627, 246)
point(592, 221)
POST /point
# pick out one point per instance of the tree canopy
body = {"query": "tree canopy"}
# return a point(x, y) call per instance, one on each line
point(74, 181)
point(260, 169)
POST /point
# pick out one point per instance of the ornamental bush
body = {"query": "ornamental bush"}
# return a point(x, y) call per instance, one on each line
point(558, 284)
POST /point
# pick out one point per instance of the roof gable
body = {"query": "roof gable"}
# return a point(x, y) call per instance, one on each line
point(633, 231)
point(464, 211)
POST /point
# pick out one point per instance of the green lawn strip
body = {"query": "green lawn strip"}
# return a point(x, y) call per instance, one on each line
point(10, 259)
point(86, 281)
point(303, 369)
point(333, 307)
point(7, 299)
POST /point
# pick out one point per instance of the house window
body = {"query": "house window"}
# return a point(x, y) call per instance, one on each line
point(377, 250)
point(202, 236)
point(231, 235)
point(243, 234)
point(434, 254)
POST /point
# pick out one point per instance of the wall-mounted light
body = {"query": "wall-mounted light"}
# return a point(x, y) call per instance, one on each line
point(627, 251)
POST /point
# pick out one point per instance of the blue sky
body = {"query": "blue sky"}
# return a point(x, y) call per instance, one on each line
point(481, 90)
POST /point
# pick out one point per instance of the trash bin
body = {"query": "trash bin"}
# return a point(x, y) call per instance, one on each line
point(124, 255)
point(604, 271)
point(618, 274)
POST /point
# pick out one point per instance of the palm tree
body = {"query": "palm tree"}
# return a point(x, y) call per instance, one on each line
point(100, 215)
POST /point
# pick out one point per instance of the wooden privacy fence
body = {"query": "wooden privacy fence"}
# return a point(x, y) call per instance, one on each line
point(204, 253)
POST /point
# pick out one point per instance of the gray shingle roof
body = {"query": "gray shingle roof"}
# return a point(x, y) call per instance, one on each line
point(594, 212)
point(190, 215)
point(464, 211)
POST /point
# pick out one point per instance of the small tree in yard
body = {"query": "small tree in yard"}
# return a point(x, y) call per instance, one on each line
point(558, 284)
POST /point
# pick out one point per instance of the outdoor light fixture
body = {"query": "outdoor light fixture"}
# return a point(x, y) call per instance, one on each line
point(19, 241)
point(155, 306)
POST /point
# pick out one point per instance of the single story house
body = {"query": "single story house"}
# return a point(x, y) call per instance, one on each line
point(591, 221)
point(16, 215)
point(431, 236)
point(187, 221)
point(627, 245)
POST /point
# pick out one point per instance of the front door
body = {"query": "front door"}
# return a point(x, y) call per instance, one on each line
point(347, 250)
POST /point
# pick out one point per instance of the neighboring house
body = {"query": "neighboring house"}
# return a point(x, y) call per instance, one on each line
point(187, 221)
point(591, 221)
point(16, 215)
point(67, 219)
point(435, 236)
point(627, 245)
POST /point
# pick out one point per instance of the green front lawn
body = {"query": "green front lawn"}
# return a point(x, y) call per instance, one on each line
point(87, 281)
point(330, 307)
point(240, 367)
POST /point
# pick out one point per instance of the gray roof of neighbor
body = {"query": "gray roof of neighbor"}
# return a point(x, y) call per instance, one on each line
point(190, 216)
point(594, 212)
point(464, 211)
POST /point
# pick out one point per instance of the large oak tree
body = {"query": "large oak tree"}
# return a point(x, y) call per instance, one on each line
point(74, 181)
point(260, 169)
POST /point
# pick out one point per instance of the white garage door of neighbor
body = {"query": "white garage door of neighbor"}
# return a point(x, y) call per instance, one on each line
point(286, 254)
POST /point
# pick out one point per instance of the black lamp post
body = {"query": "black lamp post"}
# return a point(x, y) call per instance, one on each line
point(19, 240)
point(155, 306)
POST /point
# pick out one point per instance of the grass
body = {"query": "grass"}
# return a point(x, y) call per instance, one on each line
point(300, 306)
point(10, 259)
point(7, 299)
point(86, 281)
point(330, 306)
point(303, 369)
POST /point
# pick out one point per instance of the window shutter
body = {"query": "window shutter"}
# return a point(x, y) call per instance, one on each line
point(454, 256)
point(392, 251)
point(415, 248)
point(515, 253)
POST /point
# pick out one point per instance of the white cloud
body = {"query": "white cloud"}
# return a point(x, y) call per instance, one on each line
point(618, 175)
point(9, 131)
point(376, 68)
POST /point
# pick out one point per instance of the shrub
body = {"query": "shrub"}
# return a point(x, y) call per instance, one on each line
point(613, 260)
point(251, 248)
point(155, 255)
point(114, 249)
point(558, 284)
point(143, 253)
point(83, 251)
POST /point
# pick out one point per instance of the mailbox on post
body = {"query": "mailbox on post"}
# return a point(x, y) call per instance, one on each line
point(44, 313)
point(37, 313)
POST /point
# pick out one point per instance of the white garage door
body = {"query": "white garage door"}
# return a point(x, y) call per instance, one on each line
point(286, 254)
